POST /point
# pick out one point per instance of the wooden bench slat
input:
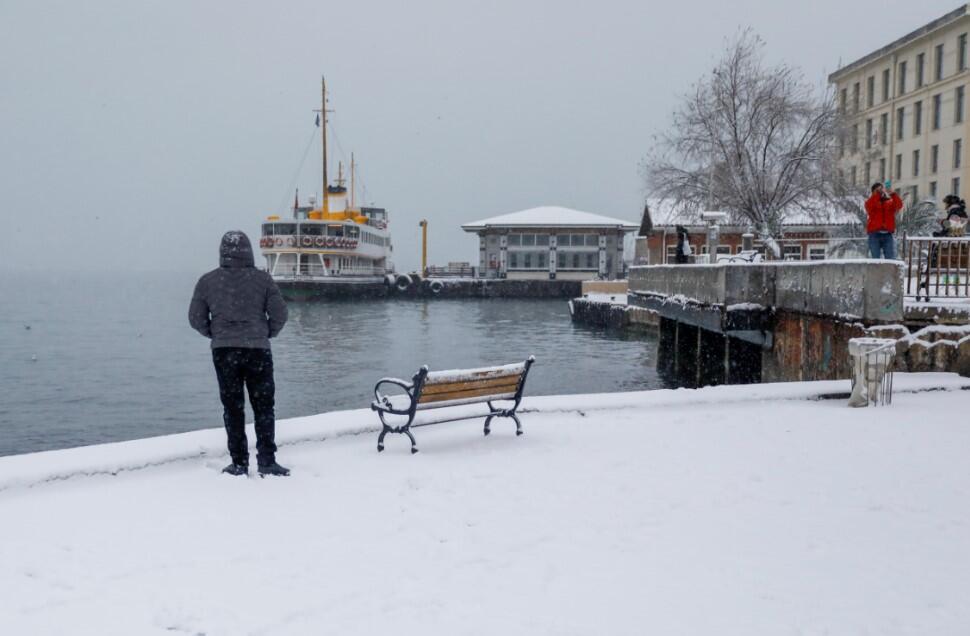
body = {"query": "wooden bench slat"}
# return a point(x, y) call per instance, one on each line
point(460, 395)
point(440, 377)
point(464, 400)
point(447, 387)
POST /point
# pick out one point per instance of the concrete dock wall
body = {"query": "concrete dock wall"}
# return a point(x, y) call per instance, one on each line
point(867, 290)
point(771, 322)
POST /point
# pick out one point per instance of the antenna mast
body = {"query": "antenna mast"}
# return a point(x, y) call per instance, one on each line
point(323, 135)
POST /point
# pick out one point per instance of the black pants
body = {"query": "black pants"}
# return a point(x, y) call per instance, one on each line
point(236, 367)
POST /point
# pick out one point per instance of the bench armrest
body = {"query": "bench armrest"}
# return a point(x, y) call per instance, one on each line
point(383, 403)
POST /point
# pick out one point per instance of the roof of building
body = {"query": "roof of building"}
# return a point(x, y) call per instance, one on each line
point(666, 214)
point(927, 28)
point(549, 216)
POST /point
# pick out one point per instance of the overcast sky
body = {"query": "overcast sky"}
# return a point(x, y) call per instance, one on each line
point(133, 134)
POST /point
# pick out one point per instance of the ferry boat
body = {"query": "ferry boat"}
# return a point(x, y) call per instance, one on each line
point(335, 250)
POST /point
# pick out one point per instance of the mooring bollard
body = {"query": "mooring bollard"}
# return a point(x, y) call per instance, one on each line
point(872, 378)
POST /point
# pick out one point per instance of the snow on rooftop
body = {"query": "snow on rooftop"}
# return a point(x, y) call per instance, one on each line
point(726, 510)
point(549, 216)
point(666, 213)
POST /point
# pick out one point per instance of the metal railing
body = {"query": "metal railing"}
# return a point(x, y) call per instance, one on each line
point(937, 267)
point(463, 271)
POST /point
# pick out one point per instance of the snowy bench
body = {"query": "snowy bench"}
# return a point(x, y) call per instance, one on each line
point(443, 389)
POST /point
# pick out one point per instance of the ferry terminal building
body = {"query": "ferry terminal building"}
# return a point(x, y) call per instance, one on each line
point(550, 243)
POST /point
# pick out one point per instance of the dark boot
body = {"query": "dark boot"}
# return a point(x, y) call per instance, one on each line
point(236, 470)
point(273, 469)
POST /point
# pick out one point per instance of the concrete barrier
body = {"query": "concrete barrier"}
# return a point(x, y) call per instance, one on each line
point(866, 290)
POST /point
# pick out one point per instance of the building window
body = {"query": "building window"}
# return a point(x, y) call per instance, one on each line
point(841, 145)
point(916, 163)
point(934, 158)
point(816, 252)
point(901, 70)
point(962, 52)
point(937, 111)
point(792, 252)
point(955, 189)
point(513, 260)
point(920, 64)
point(854, 146)
point(885, 85)
point(933, 189)
point(884, 128)
point(958, 105)
point(899, 167)
point(870, 91)
point(938, 63)
point(918, 118)
point(914, 193)
point(843, 100)
point(514, 239)
point(882, 169)
point(855, 97)
point(957, 153)
point(868, 134)
point(900, 125)
point(868, 173)
point(852, 176)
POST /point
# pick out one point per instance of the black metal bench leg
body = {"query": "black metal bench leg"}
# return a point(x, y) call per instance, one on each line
point(414, 444)
point(518, 424)
point(380, 438)
point(488, 424)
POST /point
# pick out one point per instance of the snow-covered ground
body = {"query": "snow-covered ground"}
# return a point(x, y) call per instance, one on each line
point(731, 510)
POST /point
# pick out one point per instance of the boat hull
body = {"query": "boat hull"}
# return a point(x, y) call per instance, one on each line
point(312, 290)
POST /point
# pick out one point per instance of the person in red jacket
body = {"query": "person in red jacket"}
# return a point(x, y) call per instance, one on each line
point(881, 208)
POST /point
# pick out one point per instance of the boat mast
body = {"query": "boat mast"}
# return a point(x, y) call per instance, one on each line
point(323, 135)
point(353, 205)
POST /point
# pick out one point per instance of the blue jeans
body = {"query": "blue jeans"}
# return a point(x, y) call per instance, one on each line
point(884, 243)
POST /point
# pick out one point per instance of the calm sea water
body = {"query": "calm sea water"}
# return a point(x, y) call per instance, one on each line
point(86, 359)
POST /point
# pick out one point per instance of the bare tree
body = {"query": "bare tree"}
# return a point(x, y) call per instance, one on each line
point(755, 141)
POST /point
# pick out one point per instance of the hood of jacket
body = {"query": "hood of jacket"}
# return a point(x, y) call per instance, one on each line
point(235, 250)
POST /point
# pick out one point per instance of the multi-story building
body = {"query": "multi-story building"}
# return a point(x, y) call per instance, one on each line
point(907, 114)
point(549, 243)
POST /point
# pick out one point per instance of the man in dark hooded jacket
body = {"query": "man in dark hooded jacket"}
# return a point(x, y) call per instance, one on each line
point(240, 308)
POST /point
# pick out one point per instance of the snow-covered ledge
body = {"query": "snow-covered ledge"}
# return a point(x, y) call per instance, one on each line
point(866, 290)
point(33, 469)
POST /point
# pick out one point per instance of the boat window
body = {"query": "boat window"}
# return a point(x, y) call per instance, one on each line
point(353, 232)
point(284, 229)
point(267, 229)
point(311, 229)
point(335, 230)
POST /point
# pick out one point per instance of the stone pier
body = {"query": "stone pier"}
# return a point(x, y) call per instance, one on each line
point(765, 322)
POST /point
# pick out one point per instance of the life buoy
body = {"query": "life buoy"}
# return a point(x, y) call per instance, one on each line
point(307, 241)
point(290, 241)
point(329, 241)
point(436, 287)
point(319, 241)
point(279, 242)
